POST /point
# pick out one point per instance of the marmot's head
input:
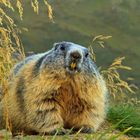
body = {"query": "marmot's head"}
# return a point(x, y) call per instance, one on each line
point(73, 58)
point(74, 55)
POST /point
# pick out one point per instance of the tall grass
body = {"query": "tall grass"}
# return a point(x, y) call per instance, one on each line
point(10, 42)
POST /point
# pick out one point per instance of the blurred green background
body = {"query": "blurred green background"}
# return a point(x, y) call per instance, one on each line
point(79, 21)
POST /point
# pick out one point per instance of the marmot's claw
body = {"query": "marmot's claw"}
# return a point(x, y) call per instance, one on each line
point(58, 132)
point(87, 129)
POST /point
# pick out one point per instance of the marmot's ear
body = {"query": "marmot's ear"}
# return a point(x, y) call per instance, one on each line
point(56, 45)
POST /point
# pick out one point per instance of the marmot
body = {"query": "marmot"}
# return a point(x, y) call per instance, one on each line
point(59, 89)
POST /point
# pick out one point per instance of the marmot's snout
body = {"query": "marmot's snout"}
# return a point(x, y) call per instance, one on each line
point(75, 56)
point(75, 61)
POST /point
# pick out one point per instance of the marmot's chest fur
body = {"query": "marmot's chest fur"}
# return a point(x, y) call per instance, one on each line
point(70, 103)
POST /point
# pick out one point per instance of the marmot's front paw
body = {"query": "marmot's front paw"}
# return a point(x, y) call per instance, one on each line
point(58, 132)
point(85, 129)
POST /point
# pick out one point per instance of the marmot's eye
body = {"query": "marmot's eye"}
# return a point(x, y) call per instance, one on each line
point(86, 55)
point(62, 47)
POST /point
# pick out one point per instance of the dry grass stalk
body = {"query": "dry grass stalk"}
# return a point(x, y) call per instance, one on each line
point(112, 76)
point(99, 41)
point(10, 43)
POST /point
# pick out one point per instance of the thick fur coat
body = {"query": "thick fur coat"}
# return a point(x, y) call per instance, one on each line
point(59, 89)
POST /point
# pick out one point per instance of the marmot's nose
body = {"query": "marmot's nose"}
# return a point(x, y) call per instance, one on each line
point(75, 55)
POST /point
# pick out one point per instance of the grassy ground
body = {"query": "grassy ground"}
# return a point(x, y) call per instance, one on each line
point(127, 116)
point(112, 135)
